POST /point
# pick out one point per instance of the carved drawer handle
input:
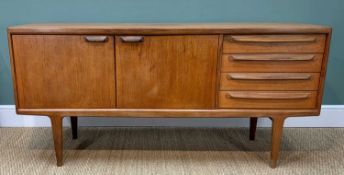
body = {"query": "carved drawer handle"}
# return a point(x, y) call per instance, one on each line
point(96, 38)
point(272, 57)
point(267, 96)
point(275, 76)
point(132, 39)
point(273, 39)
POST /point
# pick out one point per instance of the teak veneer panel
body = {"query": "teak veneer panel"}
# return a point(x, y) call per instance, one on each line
point(169, 28)
point(268, 99)
point(64, 71)
point(167, 72)
point(271, 62)
point(269, 81)
point(274, 43)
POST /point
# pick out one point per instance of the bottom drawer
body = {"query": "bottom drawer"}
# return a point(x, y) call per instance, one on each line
point(268, 99)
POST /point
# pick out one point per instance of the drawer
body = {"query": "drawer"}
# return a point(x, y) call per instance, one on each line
point(267, 99)
point(269, 81)
point(271, 62)
point(274, 43)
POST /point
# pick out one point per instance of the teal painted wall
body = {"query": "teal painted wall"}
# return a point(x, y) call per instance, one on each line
point(329, 12)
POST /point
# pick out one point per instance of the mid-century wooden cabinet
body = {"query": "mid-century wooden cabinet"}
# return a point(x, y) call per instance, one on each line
point(169, 70)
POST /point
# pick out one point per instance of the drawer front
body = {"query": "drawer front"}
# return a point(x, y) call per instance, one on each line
point(274, 44)
point(269, 81)
point(271, 62)
point(268, 99)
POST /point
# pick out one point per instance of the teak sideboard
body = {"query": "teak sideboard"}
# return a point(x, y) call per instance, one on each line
point(169, 70)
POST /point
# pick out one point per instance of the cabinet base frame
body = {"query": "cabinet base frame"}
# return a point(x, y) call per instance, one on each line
point(56, 118)
point(172, 113)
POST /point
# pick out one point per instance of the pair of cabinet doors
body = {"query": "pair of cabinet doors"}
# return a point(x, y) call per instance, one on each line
point(69, 71)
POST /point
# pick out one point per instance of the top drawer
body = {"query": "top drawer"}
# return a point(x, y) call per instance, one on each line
point(274, 43)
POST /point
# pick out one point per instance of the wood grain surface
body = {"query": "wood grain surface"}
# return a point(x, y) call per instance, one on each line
point(274, 43)
point(269, 81)
point(268, 99)
point(167, 72)
point(168, 28)
point(271, 63)
point(64, 71)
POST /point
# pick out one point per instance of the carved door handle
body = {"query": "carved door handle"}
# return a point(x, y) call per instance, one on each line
point(132, 39)
point(96, 38)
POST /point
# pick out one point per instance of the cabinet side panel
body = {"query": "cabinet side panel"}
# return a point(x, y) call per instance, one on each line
point(13, 72)
point(323, 71)
point(64, 71)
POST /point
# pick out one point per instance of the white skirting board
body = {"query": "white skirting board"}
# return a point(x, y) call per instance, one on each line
point(331, 116)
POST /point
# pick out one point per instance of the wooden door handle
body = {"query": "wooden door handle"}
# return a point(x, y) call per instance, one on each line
point(271, 57)
point(132, 39)
point(96, 38)
point(273, 39)
point(268, 76)
point(268, 95)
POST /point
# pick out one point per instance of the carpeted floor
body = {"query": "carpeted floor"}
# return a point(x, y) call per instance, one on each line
point(179, 151)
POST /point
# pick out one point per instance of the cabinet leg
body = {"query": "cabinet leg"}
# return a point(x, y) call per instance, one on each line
point(74, 124)
point(56, 124)
point(253, 127)
point(277, 128)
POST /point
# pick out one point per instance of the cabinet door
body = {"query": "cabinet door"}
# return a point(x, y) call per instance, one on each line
point(64, 71)
point(166, 71)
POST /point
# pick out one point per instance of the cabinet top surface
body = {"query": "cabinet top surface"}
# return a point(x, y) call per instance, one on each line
point(167, 28)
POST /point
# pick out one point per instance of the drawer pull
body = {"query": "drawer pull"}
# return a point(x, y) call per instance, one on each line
point(267, 96)
point(132, 39)
point(96, 38)
point(276, 76)
point(273, 39)
point(272, 57)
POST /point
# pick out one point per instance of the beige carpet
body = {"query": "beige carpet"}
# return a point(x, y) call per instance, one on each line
point(180, 151)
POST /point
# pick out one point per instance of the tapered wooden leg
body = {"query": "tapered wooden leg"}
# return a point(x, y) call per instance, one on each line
point(56, 124)
point(253, 127)
point(74, 124)
point(277, 128)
